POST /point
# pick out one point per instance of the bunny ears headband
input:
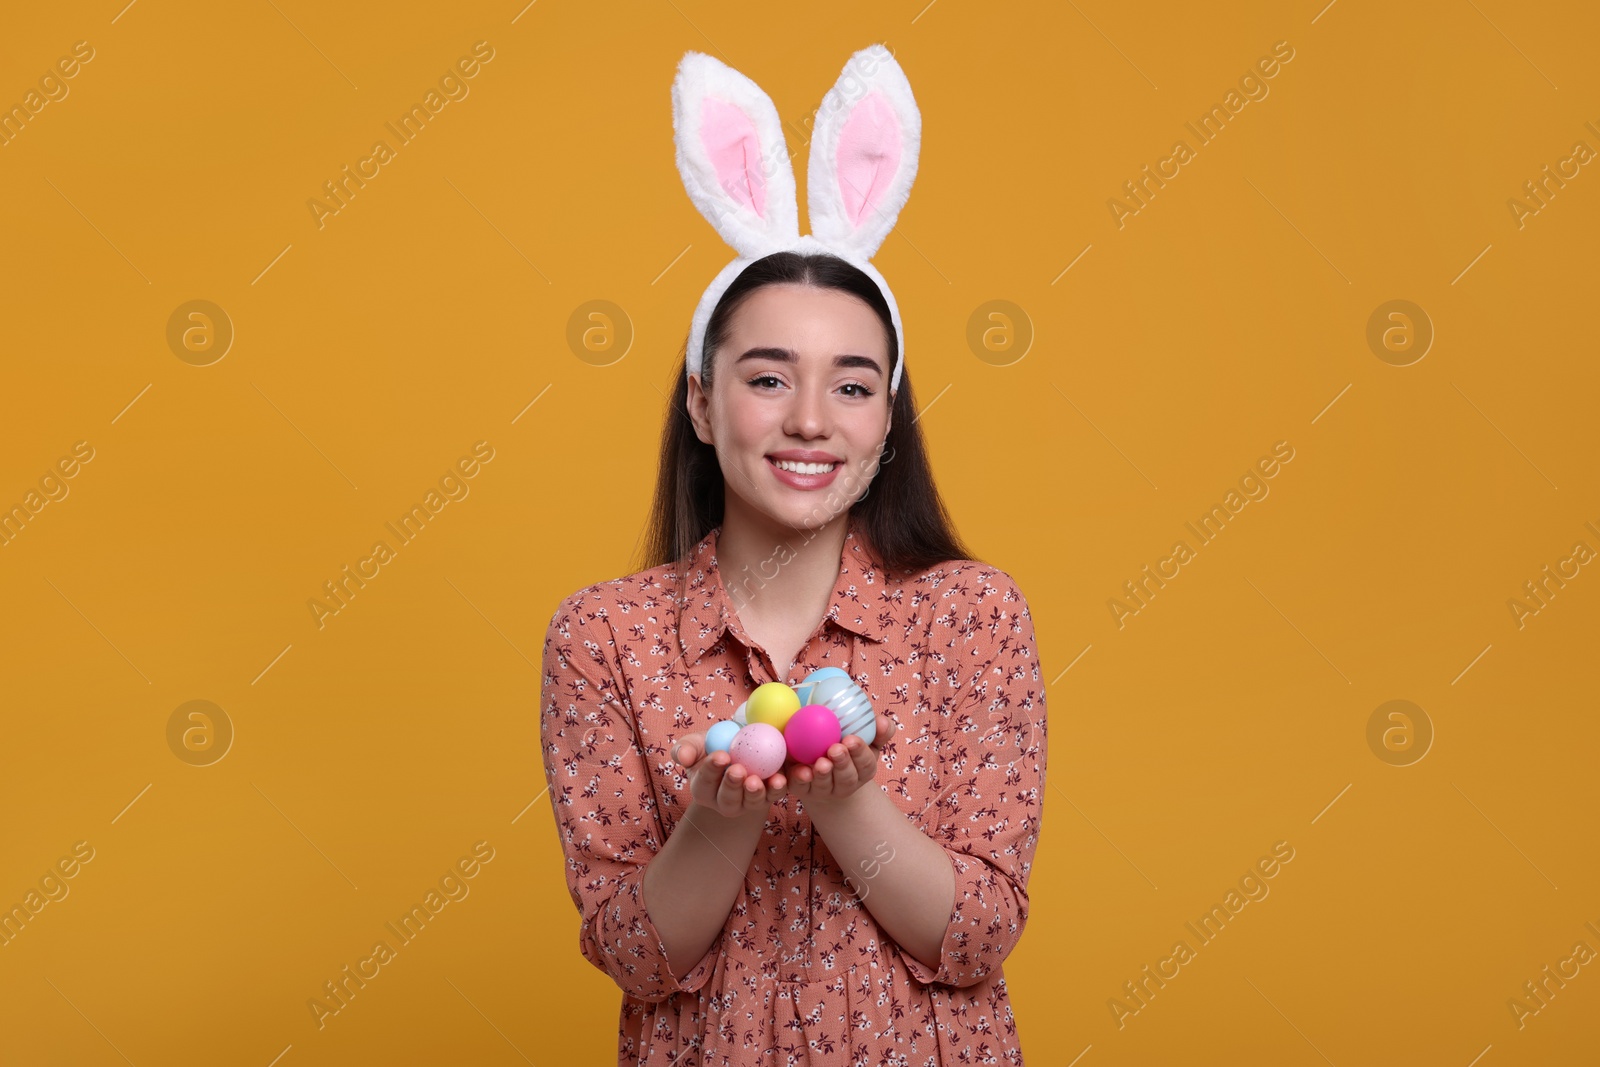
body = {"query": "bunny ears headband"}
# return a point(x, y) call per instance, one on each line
point(736, 168)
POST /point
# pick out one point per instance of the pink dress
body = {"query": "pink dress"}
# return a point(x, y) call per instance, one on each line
point(801, 973)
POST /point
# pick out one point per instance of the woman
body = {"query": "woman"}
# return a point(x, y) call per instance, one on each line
point(856, 910)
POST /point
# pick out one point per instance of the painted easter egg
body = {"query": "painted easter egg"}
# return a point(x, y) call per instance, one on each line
point(772, 704)
point(811, 732)
point(849, 702)
point(803, 690)
point(759, 748)
point(720, 736)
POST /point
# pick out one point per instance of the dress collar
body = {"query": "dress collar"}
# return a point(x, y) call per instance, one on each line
point(706, 609)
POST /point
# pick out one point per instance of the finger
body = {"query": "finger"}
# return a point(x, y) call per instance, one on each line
point(755, 794)
point(706, 783)
point(711, 770)
point(688, 749)
point(731, 795)
point(884, 731)
point(844, 773)
point(865, 759)
point(827, 781)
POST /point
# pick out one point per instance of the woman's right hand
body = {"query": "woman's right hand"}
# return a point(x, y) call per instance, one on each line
point(718, 783)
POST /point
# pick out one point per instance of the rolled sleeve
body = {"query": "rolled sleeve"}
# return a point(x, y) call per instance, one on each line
point(605, 812)
point(992, 766)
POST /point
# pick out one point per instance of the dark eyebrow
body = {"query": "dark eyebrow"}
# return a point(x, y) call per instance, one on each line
point(786, 355)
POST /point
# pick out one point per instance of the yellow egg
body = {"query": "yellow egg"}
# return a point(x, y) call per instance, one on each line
point(772, 704)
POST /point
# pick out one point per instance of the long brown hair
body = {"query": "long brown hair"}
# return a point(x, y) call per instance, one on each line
point(902, 514)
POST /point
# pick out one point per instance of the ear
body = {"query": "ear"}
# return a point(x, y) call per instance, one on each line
point(732, 156)
point(695, 410)
point(864, 148)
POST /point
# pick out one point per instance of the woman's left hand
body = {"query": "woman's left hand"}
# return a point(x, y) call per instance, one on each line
point(843, 769)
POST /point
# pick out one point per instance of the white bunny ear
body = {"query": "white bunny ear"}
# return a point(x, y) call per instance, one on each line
point(864, 149)
point(732, 156)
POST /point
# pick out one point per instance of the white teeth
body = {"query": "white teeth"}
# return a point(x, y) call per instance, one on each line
point(805, 468)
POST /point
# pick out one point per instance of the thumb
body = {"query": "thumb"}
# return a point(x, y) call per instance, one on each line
point(688, 749)
point(885, 731)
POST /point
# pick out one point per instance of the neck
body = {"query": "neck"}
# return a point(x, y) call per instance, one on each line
point(772, 571)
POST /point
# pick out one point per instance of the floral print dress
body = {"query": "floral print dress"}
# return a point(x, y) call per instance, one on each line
point(801, 972)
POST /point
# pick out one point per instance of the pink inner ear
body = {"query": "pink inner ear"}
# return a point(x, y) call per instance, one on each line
point(730, 141)
point(869, 155)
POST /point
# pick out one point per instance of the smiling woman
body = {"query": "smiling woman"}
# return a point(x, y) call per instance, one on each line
point(820, 385)
point(719, 901)
point(803, 350)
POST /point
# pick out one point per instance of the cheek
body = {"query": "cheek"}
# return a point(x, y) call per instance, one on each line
point(867, 432)
point(738, 445)
point(751, 427)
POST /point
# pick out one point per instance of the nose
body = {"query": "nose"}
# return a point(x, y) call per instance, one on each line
point(807, 416)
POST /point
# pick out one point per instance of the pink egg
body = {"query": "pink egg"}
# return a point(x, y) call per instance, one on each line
point(810, 732)
point(759, 749)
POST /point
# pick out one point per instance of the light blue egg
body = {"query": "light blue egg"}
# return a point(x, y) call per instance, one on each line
point(803, 690)
point(720, 736)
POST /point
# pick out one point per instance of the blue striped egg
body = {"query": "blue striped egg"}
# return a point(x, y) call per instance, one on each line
point(803, 690)
point(836, 689)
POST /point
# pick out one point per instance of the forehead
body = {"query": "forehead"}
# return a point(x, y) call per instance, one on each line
point(809, 319)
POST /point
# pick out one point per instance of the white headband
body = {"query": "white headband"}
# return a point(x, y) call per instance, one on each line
point(736, 168)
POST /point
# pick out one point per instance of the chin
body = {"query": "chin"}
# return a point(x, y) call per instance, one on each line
point(806, 517)
point(801, 519)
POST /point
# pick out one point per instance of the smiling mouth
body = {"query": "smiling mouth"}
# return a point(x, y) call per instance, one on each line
point(794, 466)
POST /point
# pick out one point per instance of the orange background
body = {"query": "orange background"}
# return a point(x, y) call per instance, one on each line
point(1230, 313)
